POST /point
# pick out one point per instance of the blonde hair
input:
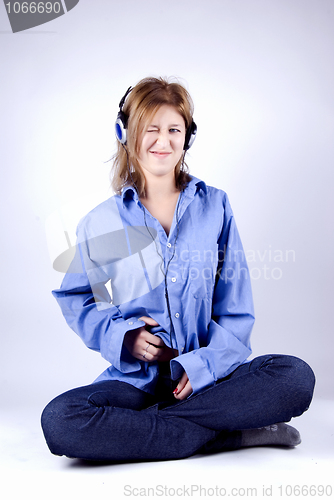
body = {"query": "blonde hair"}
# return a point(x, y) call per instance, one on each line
point(141, 104)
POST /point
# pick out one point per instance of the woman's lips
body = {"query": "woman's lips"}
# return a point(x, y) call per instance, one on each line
point(160, 154)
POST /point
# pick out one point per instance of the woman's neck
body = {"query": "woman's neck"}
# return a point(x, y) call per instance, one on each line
point(160, 189)
point(160, 200)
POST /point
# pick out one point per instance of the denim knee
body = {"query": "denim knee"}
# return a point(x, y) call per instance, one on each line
point(293, 380)
point(305, 380)
point(300, 381)
point(53, 426)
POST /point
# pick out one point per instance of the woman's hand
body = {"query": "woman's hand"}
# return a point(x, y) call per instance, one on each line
point(183, 389)
point(145, 346)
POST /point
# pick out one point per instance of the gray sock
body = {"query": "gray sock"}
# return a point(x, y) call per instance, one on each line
point(275, 435)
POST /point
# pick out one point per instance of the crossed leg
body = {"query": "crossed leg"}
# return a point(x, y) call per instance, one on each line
point(115, 421)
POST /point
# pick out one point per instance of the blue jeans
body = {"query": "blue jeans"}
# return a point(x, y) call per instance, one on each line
point(114, 421)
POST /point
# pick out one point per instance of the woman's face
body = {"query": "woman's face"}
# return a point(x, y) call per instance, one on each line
point(161, 143)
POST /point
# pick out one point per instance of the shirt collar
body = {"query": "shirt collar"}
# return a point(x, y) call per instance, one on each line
point(129, 193)
point(193, 186)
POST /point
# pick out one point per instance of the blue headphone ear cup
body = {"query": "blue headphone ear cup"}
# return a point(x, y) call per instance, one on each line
point(190, 136)
point(120, 127)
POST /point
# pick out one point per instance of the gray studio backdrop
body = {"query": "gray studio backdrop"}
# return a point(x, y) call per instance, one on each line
point(261, 76)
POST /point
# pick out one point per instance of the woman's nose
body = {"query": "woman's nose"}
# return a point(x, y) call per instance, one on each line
point(162, 139)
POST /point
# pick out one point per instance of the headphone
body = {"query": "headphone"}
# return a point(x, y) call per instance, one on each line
point(122, 122)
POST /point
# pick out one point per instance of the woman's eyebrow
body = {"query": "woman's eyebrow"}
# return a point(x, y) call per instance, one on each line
point(169, 126)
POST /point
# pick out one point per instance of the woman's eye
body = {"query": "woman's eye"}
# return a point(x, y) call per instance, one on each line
point(174, 130)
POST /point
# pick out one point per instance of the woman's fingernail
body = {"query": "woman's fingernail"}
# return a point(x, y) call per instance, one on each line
point(175, 391)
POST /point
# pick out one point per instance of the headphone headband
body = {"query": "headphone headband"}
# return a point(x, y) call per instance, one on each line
point(122, 101)
point(122, 122)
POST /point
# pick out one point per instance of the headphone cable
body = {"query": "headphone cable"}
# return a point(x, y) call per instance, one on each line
point(172, 330)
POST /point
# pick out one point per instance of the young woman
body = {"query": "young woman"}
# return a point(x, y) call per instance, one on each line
point(176, 330)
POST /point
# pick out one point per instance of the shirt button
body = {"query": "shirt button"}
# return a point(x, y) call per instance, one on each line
point(169, 245)
point(173, 280)
point(130, 323)
point(182, 349)
point(177, 315)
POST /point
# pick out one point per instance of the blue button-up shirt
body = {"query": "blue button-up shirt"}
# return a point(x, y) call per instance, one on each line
point(123, 248)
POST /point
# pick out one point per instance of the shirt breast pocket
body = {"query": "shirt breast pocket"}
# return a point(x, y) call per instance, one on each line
point(202, 271)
